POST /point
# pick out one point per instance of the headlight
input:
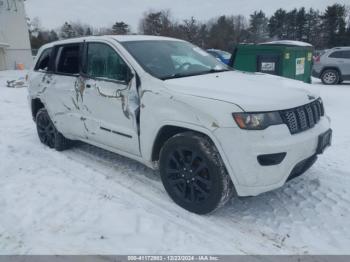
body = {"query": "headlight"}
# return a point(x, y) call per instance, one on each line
point(257, 121)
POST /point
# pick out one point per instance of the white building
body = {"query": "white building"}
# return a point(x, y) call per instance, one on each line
point(14, 36)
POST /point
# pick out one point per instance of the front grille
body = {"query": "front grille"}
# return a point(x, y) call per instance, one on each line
point(304, 117)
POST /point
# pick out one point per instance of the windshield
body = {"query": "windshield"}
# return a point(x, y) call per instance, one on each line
point(173, 59)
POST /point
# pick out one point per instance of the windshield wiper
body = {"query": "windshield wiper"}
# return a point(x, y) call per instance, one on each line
point(180, 75)
point(217, 70)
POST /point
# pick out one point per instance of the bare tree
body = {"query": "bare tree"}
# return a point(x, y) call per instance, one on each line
point(190, 30)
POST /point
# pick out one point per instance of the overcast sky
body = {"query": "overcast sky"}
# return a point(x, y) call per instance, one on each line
point(100, 13)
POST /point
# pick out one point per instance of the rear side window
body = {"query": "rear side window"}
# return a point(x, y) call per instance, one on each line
point(340, 54)
point(68, 60)
point(104, 62)
point(44, 61)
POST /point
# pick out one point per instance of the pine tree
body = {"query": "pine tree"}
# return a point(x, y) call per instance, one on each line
point(88, 31)
point(334, 25)
point(120, 28)
point(67, 31)
point(258, 27)
point(313, 29)
point(301, 23)
point(277, 24)
point(291, 24)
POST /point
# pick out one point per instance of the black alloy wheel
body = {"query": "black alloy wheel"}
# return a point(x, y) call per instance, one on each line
point(46, 129)
point(194, 174)
point(48, 134)
point(189, 175)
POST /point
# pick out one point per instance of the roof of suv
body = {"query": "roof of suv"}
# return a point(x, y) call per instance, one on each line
point(119, 38)
point(127, 38)
point(340, 48)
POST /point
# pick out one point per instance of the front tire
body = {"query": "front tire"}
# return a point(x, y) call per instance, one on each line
point(48, 134)
point(330, 77)
point(193, 173)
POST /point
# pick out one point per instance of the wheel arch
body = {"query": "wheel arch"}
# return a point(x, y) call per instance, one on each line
point(167, 130)
point(36, 105)
point(332, 68)
point(163, 135)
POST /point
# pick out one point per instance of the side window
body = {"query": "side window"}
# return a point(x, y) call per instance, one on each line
point(68, 59)
point(104, 62)
point(44, 61)
point(337, 54)
point(347, 54)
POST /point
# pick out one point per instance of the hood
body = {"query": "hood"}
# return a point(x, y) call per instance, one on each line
point(253, 92)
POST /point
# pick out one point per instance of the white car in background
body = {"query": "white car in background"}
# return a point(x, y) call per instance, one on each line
point(210, 130)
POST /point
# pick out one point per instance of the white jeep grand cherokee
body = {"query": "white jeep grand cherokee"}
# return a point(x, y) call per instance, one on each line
point(210, 130)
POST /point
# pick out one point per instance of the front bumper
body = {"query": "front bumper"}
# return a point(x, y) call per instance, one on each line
point(302, 167)
point(240, 149)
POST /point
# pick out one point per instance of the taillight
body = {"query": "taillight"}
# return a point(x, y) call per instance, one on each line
point(317, 59)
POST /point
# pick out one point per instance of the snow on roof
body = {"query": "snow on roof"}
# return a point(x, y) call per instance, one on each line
point(119, 38)
point(126, 38)
point(287, 42)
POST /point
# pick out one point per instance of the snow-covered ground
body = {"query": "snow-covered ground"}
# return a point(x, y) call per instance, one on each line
point(89, 201)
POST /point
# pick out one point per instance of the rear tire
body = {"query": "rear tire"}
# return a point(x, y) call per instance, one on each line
point(194, 174)
point(48, 134)
point(330, 77)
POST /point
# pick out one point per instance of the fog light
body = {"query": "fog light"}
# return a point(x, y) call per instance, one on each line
point(271, 159)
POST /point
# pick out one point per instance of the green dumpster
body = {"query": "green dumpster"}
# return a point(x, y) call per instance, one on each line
point(291, 59)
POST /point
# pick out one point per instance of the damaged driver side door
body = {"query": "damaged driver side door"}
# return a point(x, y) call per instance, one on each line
point(110, 100)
